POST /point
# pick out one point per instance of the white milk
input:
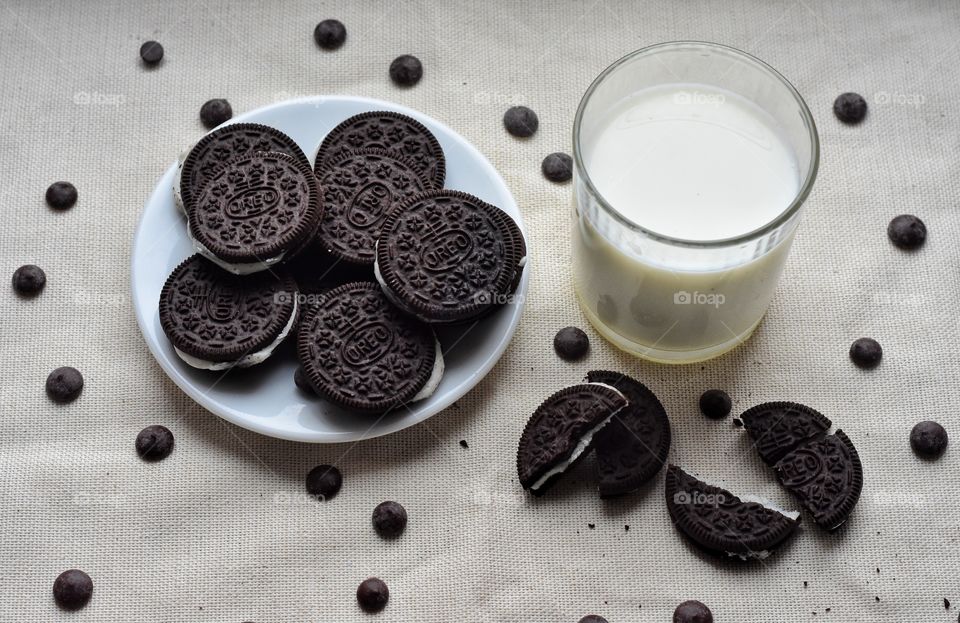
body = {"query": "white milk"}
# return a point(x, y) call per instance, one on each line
point(697, 163)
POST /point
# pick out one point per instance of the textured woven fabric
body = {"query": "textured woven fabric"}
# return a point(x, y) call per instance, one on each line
point(220, 530)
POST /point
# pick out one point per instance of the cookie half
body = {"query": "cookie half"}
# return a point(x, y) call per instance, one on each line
point(219, 147)
point(360, 352)
point(634, 446)
point(779, 427)
point(358, 190)
point(255, 212)
point(826, 476)
point(216, 320)
point(561, 431)
point(390, 131)
point(449, 257)
point(720, 522)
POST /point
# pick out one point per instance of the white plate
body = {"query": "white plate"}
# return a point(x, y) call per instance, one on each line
point(264, 398)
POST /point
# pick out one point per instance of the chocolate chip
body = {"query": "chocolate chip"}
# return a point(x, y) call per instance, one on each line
point(692, 612)
point(406, 70)
point(520, 121)
point(154, 443)
point(72, 589)
point(372, 595)
point(557, 167)
point(571, 343)
point(61, 195)
point(715, 404)
point(866, 353)
point(946, 603)
point(737, 422)
point(389, 519)
point(324, 481)
point(850, 108)
point(929, 439)
point(300, 379)
point(64, 384)
point(592, 618)
point(151, 52)
point(463, 443)
point(907, 232)
point(28, 280)
point(214, 112)
point(330, 34)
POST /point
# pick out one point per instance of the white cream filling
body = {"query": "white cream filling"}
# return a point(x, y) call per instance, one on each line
point(239, 268)
point(434, 381)
point(581, 446)
point(177, 195)
point(248, 360)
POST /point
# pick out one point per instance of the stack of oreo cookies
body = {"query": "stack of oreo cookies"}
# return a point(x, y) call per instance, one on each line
point(359, 255)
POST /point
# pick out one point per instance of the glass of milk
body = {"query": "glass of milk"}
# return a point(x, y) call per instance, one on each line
point(692, 164)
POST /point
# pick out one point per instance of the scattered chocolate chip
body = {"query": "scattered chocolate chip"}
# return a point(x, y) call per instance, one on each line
point(591, 525)
point(406, 70)
point(866, 353)
point(389, 519)
point(151, 52)
point(592, 618)
point(715, 404)
point(64, 384)
point(557, 167)
point(463, 443)
point(330, 34)
point(300, 379)
point(737, 422)
point(61, 195)
point(154, 443)
point(214, 112)
point(372, 595)
point(626, 528)
point(692, 612)
point(72, 589)
point(850, 108)
point(946, 603)
point(521, 121)
point(907, 232)
point(929, 439)
point(324, 481)
point(571, 343)
point(28, 280)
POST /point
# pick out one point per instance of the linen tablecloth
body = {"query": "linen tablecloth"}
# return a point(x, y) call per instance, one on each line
point(221, 531)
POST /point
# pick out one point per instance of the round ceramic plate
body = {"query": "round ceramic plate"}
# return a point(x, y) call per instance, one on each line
point(264, 398)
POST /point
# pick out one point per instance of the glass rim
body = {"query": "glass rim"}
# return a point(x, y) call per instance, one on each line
point(780, 219)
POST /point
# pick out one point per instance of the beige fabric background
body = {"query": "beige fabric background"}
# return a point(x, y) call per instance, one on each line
point(219, 533)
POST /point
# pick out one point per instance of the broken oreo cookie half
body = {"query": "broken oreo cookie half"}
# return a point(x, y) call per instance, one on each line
point(362, 353)
point(722, 523)
point(778, 427)
point(633, 447)
point(562, 430)
point(216, 320)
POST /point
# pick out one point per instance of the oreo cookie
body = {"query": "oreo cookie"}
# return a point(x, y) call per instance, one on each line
point(215, 149)
point(216, 320)
point(826, 476)
point(778, 427)
point(634, 446)
point(359, 189)
point(448, 257)
point(257, 211)
point(390, 131)
point(720, 522)
point(561, 432)
point(362, 353)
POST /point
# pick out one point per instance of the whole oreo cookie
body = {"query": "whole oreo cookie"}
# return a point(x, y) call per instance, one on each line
point(362, 353)
point(634, 446)
point(390, 131)
point(216, 320)
point(447, 257)
point(217, 148)
point(258, 210)
point(826, 476)
point(561, 431)
point(359, 189)
point(778, 427)
point(720, 522)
